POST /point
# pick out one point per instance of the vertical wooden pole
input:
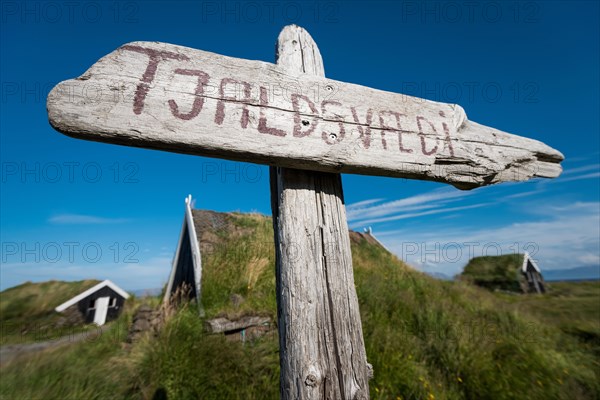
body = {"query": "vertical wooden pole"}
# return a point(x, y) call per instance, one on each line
point(322, 352)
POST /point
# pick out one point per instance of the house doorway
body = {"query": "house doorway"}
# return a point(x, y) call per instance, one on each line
point(101, 305)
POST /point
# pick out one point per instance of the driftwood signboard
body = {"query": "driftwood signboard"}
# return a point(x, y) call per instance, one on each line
point(174, 98)
point(309, 129)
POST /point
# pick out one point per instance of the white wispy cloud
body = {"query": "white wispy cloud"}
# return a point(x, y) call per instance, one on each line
point(368, 211)
point(589, 171)
point(524, 194)
point(584, 168)
point(420, 214)
point(80, 219)
point(560, 237)
point(363, 203)
point(581, 207)
point(584, 157)
point(579, 177)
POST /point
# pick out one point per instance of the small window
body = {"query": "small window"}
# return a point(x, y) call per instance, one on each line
point(93, 303)
point(113, 302)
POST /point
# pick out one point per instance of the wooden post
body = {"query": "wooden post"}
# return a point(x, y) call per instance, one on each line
point(322, 352)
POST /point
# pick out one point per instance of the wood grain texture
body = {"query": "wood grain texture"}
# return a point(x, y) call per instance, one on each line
point(322, 352)
point(219, 325)
point(173, 98)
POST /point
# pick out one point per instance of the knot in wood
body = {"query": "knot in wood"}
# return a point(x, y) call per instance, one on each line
point(311, 380)
point(360, 395)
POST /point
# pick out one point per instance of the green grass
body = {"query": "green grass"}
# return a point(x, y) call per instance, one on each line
point(243, 265)
point(450, 340)
point(426, 339)
point(572, 307)
point(27, 310)
point(495, 272)
point(186, 363)
point(97, 368)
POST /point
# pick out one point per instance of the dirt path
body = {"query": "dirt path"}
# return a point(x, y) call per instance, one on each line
point(10, 351)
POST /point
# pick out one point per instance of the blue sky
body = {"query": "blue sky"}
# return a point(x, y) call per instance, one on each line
point(73, 209)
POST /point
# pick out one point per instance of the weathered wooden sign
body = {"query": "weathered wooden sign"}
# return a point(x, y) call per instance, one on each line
point(289, 115)
point(174, 98)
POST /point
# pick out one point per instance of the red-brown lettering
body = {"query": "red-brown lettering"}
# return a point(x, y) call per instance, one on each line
point(199, 98)
point(365, 134)
point(448, 140)
point(298, 120)
point(220, 114)
point(422, 136)
point(262, 121)
point(330, 137)
point(398, 128)
point(155, 56)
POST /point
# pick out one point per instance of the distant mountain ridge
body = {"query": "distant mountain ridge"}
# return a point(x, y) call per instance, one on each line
point(439, 275)
point(146, 292)
point(578, 273)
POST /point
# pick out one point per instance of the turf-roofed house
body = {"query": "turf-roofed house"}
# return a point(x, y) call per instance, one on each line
point(509, 272)
point(99, 304)
point(186, 271)
point(200, 235)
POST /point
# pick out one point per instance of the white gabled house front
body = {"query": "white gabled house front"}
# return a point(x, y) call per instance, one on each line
point(98, 304)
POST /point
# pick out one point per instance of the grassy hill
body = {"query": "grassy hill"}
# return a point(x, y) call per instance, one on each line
point(495, 272)
point(29, 307)
point(572, 307)
point(426, 338)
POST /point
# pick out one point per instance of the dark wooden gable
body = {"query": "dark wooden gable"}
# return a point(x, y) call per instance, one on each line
point(87, 305)
point(184, 269)
point(533, 276)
